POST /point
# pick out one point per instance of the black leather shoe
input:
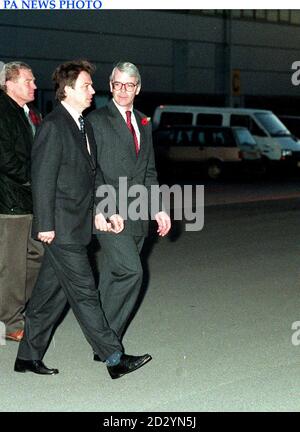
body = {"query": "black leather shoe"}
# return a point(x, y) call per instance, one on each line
point(35, 366)
point(128, 364)
point(96, 357)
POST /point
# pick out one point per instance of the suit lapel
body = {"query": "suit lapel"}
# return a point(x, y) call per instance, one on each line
point(90, 135)
point(120, 127)
point(143, 141)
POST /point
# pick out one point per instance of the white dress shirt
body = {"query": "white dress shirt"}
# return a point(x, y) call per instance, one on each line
point(75, 115)
point(26, 110)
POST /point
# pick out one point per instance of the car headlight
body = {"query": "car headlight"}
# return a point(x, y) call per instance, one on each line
point(285, 153)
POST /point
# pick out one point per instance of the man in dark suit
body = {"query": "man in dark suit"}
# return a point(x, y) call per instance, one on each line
point(63, 174)
point(124, 151)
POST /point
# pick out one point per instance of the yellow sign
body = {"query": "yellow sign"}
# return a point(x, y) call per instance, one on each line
point(236, 82)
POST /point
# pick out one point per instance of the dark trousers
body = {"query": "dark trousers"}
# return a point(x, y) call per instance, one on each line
point(120, 277)
point(65, 276)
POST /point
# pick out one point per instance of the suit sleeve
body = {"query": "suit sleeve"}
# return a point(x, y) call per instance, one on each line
point(151, 178)
point(151, 173)
point(46, 160)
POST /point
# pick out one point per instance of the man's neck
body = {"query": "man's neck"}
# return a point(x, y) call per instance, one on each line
point(122, 108)
point(71, 107)
point(17, 101)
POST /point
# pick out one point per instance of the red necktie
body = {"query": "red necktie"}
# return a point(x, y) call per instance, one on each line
point(35, 118)
point(131, 128)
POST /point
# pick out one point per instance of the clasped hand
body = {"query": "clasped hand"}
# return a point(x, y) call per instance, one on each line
point(114, 225)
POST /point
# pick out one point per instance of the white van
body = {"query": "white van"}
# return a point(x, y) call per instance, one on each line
point(274, 140)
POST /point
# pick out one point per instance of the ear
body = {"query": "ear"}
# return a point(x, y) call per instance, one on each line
point(67, 90)
point(138, 89)
point(9, 85)
point(110, 86)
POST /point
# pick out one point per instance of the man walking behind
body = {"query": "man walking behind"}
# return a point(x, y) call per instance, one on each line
point(20, 255)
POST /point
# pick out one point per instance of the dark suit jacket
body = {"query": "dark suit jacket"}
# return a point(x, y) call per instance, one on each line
point(63, 175)
point(15, 146)
point(116, 156)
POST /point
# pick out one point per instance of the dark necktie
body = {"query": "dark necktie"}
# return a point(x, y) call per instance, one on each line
point(82, 124)
point(131, 128)
point(82, 130)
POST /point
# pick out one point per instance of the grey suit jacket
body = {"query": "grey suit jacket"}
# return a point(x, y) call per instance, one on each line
point(116, 158)
point(63, 175)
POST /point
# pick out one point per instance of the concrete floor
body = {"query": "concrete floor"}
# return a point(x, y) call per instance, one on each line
point(217, 319)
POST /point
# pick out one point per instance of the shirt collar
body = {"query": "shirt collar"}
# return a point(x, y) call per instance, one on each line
point(122, 109)
point(75, 114)
point(26, 109)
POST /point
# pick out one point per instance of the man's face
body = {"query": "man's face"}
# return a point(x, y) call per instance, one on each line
point(21, 89)
point(124, 97)
point(80, 97)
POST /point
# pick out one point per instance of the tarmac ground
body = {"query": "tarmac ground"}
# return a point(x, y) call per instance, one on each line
point(220, 316)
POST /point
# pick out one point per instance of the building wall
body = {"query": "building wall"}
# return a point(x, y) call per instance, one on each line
point(184, 54)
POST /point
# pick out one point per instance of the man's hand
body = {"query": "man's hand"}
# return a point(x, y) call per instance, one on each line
point(46, 236)
point(116, 224)
point(101, 223)
point(164, 223)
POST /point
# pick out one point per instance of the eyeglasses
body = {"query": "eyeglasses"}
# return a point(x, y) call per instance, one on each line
point(128, 86)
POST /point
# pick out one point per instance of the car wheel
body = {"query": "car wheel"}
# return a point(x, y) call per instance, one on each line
point(214, 170)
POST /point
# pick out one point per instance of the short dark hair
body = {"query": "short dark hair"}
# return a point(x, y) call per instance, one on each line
point(67, 73)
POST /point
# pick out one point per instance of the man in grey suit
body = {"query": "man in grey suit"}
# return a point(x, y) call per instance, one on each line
point(124, 150)
point(63, 174)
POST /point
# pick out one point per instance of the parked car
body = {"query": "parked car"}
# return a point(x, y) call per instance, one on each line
point(213, 150)
point(276, 143)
